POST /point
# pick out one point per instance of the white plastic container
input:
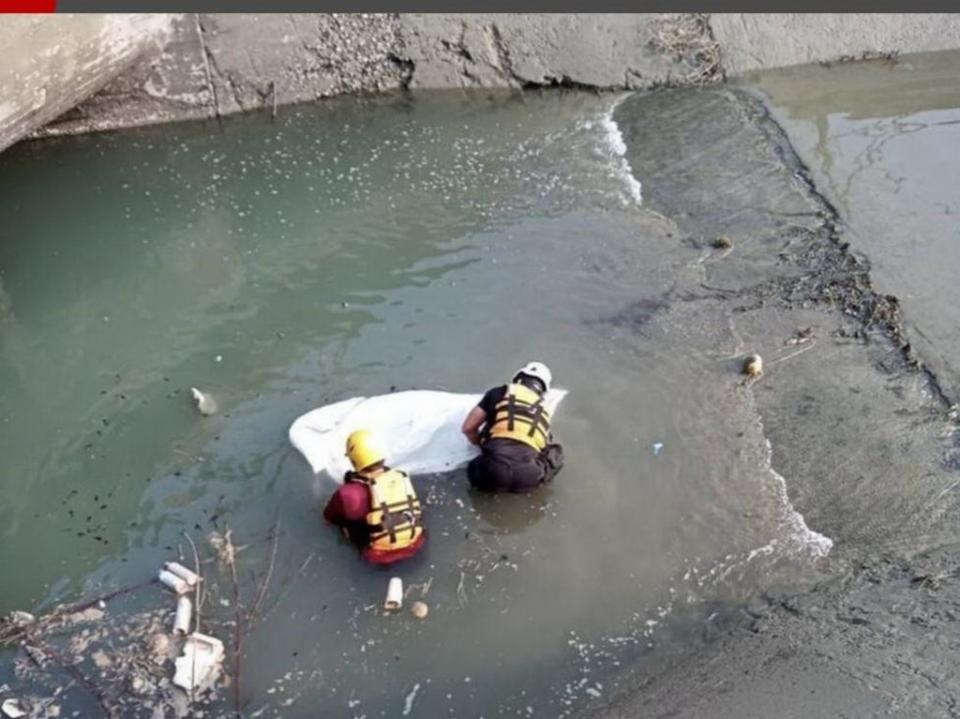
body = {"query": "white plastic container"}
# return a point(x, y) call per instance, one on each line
point(181, 622)
point(172, 581)
point(200, 664)
point(181, 571)
point(394, 598)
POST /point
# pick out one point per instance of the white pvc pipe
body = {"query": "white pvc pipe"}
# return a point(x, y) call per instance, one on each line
point(181, 571)
point(172, 581)
point(394, 598)
point(181, 622)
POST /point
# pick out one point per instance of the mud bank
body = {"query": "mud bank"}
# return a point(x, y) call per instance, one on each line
point(193, 66)
point(862, 434)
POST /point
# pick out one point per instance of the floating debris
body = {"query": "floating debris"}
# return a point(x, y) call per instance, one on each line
point(394, 598)
point(19, 618)
point(722, 242)
point(801, 337)
point(199, 665)
point(13, 708)
point(205, 403)
point(419, 609)
point(223, 546)
point(753, 366)
point(173, 582)
point(181, 621)
point(410, 698)
point(187, 575)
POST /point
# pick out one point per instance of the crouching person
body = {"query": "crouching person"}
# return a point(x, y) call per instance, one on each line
point(377, 507)
point(511, 425)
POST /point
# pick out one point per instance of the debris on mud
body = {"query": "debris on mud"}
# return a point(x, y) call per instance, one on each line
point(753, 366)
point(122, 649)
point(801, 337)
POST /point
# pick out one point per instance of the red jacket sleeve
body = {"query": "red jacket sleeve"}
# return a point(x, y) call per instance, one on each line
point(350, 503)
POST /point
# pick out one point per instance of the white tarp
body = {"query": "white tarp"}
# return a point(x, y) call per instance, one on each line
point(420, 428)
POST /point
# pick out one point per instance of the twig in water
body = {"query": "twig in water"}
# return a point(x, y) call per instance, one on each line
point(461, 593)
point(14, 632)
point(288, 586)
point(266, 577)
point(196, 563)
point(227, 553)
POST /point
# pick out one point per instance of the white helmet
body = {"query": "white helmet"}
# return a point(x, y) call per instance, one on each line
point(537, 370)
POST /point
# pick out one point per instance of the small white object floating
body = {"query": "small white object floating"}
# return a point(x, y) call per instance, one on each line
point(205, 403)
point(13, 708)
point(21, 618)
point(172, 581)
point(181, 622)
point(394, 598)
point(187, 575)
point(199, 665)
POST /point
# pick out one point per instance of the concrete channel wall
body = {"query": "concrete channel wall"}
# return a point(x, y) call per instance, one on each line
point(66, 74)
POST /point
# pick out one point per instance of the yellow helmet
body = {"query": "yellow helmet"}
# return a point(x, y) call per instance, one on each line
point(364, 450)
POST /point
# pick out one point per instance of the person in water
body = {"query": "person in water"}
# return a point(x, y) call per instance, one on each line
point(511, 425)
point(377, 507)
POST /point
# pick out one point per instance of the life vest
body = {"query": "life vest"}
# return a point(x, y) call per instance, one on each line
point(395, 518)
point(520, 416)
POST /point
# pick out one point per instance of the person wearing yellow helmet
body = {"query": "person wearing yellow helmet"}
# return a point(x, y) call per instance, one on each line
point(511, 426)
point(377, 507)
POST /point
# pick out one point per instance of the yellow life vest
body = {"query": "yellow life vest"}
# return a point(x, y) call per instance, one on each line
point(520, 416)
point(395, 517)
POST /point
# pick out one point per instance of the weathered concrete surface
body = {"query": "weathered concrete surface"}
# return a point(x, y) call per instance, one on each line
point(759, 41)
point(517, 50)
point(207, 65)
point(217, 65)
point(50, 64)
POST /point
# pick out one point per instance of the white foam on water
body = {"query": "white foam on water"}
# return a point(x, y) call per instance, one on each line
point(616, 149)
point(799, 534)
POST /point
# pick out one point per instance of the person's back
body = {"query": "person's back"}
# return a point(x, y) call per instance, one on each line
point(511, 424)
point(377, 506)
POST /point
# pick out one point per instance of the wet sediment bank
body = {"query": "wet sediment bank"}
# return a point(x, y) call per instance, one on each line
point(841, 412)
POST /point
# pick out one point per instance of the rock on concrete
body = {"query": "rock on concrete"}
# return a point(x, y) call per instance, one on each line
point(760, 41)
point(52, 63)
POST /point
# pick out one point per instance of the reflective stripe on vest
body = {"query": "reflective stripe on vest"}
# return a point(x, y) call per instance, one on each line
point(520, 416)
point(395, 517)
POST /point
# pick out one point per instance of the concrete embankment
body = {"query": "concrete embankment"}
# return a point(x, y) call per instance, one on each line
point(116, 71)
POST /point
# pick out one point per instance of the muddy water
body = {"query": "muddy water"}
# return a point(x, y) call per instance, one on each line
point(353, 249)
point(882, 140)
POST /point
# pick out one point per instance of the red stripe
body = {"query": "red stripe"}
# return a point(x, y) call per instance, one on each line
point(39, 6)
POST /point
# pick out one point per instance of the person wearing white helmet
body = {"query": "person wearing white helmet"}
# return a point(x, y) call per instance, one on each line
point(511, 425)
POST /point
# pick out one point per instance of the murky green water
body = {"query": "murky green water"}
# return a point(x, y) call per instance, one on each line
point(351, 249)
point(882, 140)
